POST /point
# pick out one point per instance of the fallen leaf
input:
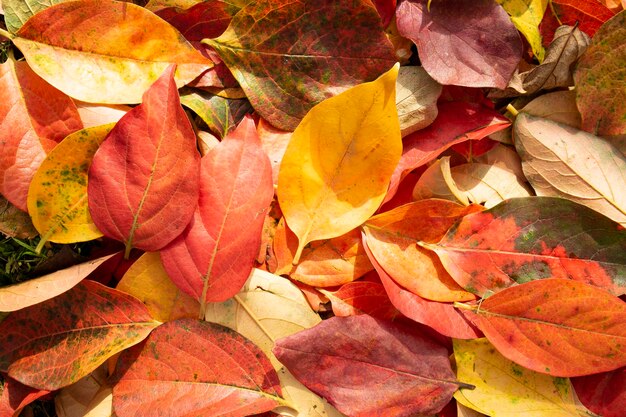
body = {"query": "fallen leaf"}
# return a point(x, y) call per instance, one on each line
point(437, 182)
point(267, 308)
point(466, 42)
point(15, 222)
point(388, 368)
point(63, 44)
point(191, 367)
point(90, 323)
point(289, 56)
point(392, 238)
point(556, 326)
point(416, 99)
point(456, 122)
point(530, 238)
point(17, 12)
point(503, 388)
point(503, 156)
point(205, 19)
point(57, 196)
point(274, 142)
point(100, 114)
point(143, 181)
point(565, 162)
point(213, 257)
point(156, 5)
point(34, 117)
point(600, 79)
point(34, 291)
point(442, 317)
point(336, 169)
point(324, 263)
point(15, 396)
point(603, 393)
point(147, 281)
point(386, 9)
point(558, 106)
point(588, 14)
point(74, 400)
point(361, 297)
point(526, 15)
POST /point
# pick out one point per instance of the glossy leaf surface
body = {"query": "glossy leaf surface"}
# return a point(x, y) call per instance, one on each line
point(389, 367)
point(530, 238)
point(90, 324)
point(556, 326)
point(143, 181)
point(191, 367)
point(212, 259)
point(289, 56)
point(70, 53)
point(337, 166)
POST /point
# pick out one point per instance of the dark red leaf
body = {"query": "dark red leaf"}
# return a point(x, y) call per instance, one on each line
point(362, 297)
point(15, 396)
point(587, 14)
point(604, 394)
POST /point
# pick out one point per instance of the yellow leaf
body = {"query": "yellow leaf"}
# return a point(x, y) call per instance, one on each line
point(57, 196)
point(504, 388)
point(526, 15)
point(267, 308)
point(147, 280)
point(337, 166)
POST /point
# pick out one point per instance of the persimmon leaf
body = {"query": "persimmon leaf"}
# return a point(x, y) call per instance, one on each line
point(337, 166)
point(17, 12)
point(361, 297)
point(143, 181)
point(55, 343)
point(14, 396)
point(589, 15)
point(603, 393)
point(289, 56)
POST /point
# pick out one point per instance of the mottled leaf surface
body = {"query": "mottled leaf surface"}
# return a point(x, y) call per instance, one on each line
point(466, 42)
point(17, 12)
point(55, 343)
point(191, 367)
point(530, 238)
point(556, 326)
point(289, 56)
point(144, 178)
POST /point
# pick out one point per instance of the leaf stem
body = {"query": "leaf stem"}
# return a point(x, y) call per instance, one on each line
point(6, 34)
point(512, 110)
point(129, 247)
point(463, 306)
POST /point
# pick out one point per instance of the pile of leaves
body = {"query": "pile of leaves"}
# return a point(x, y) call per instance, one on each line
point(315, 208)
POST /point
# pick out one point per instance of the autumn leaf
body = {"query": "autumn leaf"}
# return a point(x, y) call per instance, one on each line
point(556, 326)
point(530, 238)
point(287, 57)
point(90, 324)
point(64, 45)
point(213, 257)
point(197, 368)
point(17, 12)
point(274, 143)
point(589, 15)
point(361, 297)
point(337, 166)
point(15, 222)
point(526, 15)
point(503, 388)
point(603, 393)
point(34, 117)
point(154, 146)
point(466, 42)
point(558, 106)
point(599, 79)
point(15, 396)
point(57, 196)
point(416, 99)
point(389, 367)
point(80, 398)
point(569, 163)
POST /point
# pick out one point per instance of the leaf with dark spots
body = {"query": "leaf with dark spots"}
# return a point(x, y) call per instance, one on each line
point(530, 238)
point(372, 367)
point(289, 56)
point(190, 367)
point(55, 343)
point(556, 326)
point(471, 43)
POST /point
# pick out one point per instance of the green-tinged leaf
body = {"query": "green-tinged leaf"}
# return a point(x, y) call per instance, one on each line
point(526, 16)
point(17, 12)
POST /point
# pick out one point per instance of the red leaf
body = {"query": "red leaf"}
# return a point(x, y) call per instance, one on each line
point(604, 394)
point(370, 367)
point(34, 117)
point(194, 368)
point(587, 14)
point(531, 238)
point(362, 297)
point(143, 181)
point(455, 123)
point(55, 343)
point(442, 317)
point(15, 396)
point(471, 43)
point(203, 20)
point(556, 326)
point(214, 256)
point(386, 9)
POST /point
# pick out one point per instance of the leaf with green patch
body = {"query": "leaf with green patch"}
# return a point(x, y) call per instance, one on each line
point(526, 15)
point(17, 12)
point(55, 343)
point(530, 238)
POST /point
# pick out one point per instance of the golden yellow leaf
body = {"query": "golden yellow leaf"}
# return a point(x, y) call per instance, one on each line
point(526, 16)
point(337, 166)
point(147, 280)
point(505, 389)
point(267, 308)
point(57, 196)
